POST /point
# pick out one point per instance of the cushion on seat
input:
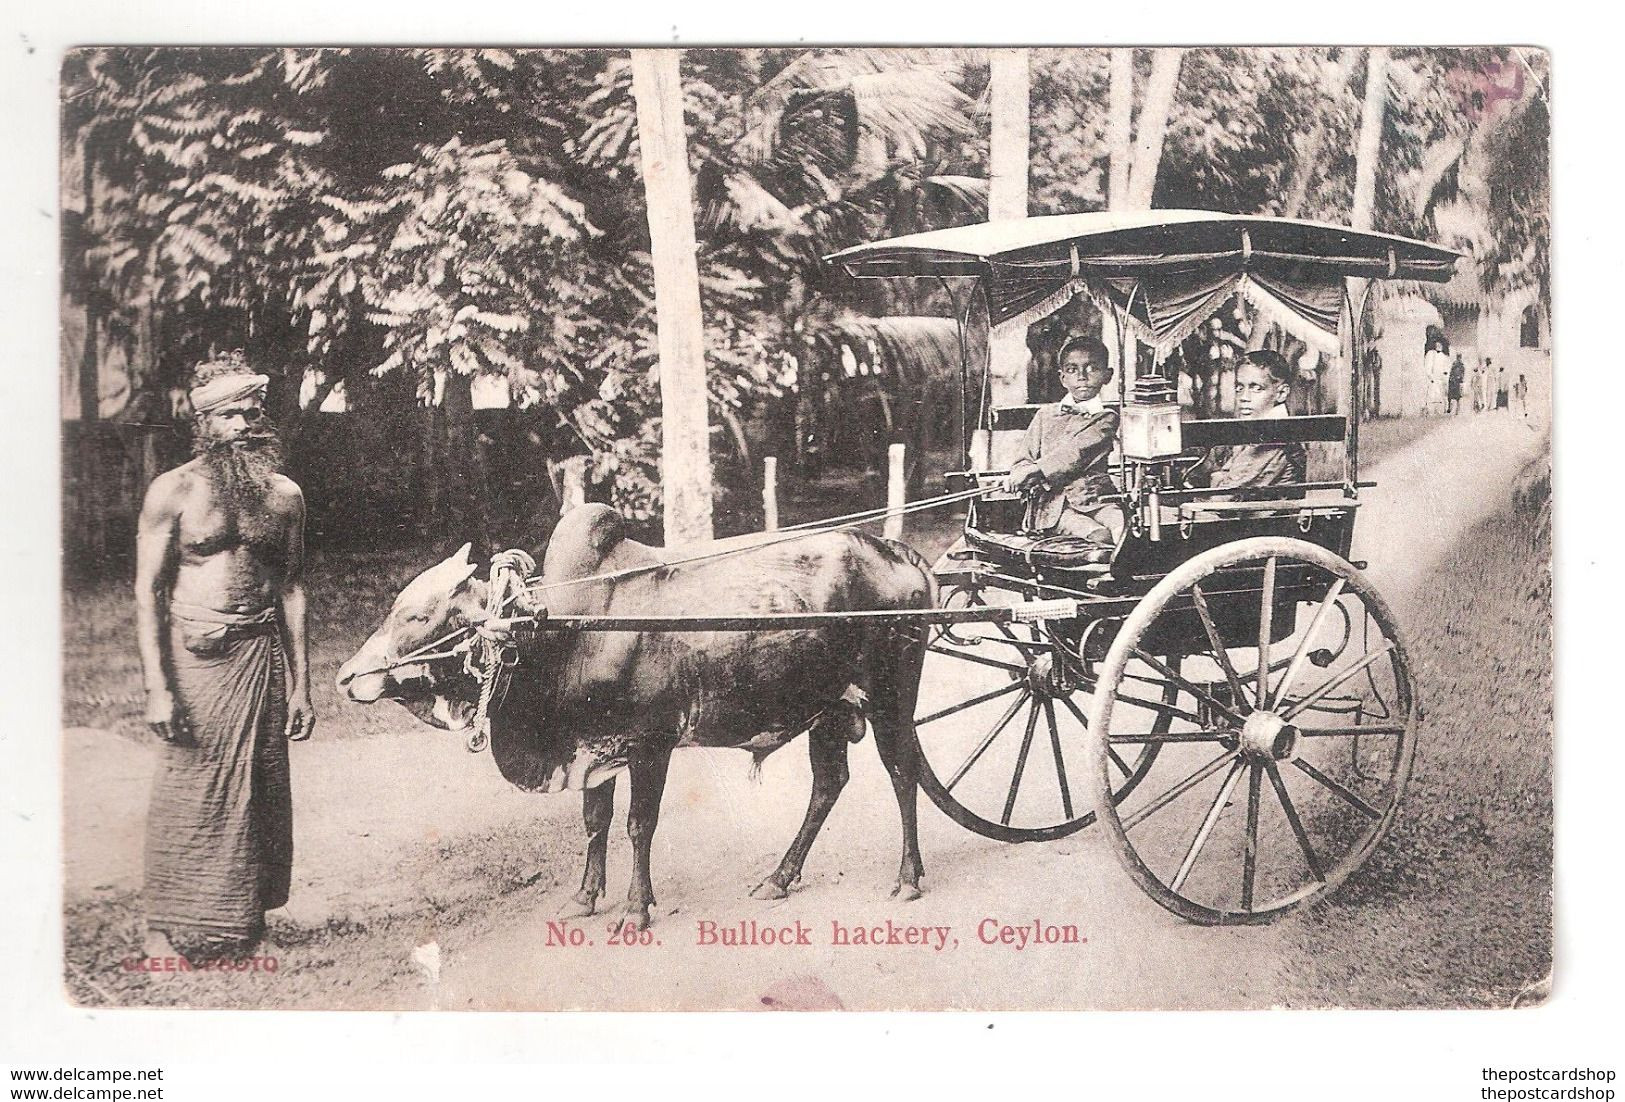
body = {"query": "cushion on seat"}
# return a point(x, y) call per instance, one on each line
point(1061, 552)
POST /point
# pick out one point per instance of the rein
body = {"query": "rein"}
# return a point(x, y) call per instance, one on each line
point(785, 535)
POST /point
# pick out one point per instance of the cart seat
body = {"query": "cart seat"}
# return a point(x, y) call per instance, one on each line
point(1055, 552)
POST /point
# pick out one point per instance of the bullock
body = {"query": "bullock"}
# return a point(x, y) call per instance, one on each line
point(584, 707)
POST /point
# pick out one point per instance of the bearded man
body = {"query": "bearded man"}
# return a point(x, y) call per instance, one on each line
point(220, 621)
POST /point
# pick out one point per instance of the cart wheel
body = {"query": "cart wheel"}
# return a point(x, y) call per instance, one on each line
point(1316, 752)
point(1002, 733)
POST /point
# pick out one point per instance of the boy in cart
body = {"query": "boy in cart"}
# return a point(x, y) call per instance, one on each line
point(1263, 383)
point(1064, 467)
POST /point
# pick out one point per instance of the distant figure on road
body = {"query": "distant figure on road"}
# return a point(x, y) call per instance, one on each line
point(1371, 383)
point(1435, 375)
point(1478, 387)
point(1500, 387)
point(1458, 376)
point(219, 594)
point(1521, 389)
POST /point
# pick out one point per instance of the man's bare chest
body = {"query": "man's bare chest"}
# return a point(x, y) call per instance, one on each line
point(210, 526)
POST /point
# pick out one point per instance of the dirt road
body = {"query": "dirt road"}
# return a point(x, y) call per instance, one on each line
point(374, 812)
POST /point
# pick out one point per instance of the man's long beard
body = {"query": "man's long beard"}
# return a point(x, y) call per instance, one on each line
point(241, 469)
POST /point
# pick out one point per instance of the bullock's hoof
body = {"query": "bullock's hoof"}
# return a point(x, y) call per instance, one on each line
point(769, 889)
point(906, 893)
point(633, 918)
point(579, 905)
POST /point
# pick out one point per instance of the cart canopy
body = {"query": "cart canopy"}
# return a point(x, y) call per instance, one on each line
point(1167, 270)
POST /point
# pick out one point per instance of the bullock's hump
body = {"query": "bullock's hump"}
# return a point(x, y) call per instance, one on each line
point(582, 538)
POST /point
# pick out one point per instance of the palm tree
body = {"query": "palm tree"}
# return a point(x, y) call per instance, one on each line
point(685, 461)
point(1009, 151)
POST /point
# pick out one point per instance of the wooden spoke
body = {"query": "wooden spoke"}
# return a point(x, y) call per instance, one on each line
point(971, 703)
point(1347, 794)
point(1338, 706)
point(981, 748)
point(1220, 655)
point(1210, 821)
point(1159, 706)
point(1009, 637)
point(1301, 655)
point(1367, 729)
point(1297, 824)
point(1190, 687)
point(1209, 735)
point(1020, 644)
point(1249, 856)
point(1178, 790)
point(1116, 758)
point(1266, 624)
point(1021, 765)
point(1162, 706)
point(980, 660)
point(1251, 676)
point(1060, 762)
point(1329, 686)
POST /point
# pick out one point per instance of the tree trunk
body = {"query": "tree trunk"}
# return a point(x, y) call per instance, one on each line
point(1009, 93)
point(91, 521)
point(1009, 141)
point(1134, 162)
point(471, 499)
point(1370, 144)
point(1368, 149)
point(1159, 102)
point(685, 460)
point(1119, 127)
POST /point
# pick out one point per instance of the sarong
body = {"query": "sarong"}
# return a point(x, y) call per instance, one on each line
point(220, 824)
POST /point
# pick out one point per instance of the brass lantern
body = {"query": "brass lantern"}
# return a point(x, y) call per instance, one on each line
point(1150, 420)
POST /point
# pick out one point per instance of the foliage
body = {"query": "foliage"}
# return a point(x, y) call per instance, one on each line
point(1484, 181)
point(434, 215)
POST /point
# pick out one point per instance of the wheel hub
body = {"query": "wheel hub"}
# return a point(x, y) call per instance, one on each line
point(1047, 677)
point(1265, 736)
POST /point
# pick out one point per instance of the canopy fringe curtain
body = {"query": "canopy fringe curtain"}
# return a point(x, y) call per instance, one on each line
point(1300, 315)
point(1176, 308)
point(1045, 306)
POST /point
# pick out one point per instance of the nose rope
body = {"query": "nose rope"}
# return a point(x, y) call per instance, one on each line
point(425, 653)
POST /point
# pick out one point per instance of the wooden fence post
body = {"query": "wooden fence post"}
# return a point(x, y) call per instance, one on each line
point(896, 489)
point(770, 494)
point(575, 483)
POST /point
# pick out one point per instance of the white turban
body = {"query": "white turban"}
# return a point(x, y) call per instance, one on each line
point(224, 389)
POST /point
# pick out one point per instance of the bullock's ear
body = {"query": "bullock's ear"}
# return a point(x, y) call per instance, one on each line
point(455, 570)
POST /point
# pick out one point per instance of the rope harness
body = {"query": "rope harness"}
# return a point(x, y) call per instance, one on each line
point(490, 659)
